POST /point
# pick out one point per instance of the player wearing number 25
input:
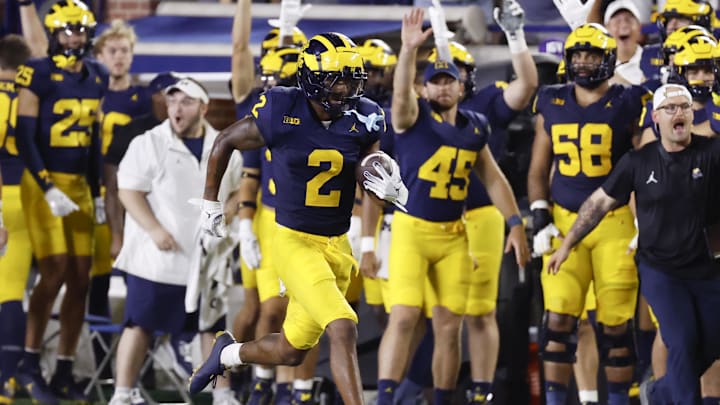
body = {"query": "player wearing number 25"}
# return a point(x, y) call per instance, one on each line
point(317, 134)
point(437, 145)
point(583, 129)
point(57, 139)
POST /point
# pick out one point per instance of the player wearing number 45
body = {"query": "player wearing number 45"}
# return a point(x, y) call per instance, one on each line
point(583, 129)
point(317, 134)
point(437, 145)
point(57, 139)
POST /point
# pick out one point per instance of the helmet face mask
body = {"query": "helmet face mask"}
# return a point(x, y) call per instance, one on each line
point(278, 67)
point(597, 45)
point(684, 12)
point(331, 73)
point(64, 20)
point(694, 66)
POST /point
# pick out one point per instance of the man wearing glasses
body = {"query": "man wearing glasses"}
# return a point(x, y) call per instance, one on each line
point(677, 200)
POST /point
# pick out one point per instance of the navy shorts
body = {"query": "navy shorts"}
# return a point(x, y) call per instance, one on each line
point(157, 307)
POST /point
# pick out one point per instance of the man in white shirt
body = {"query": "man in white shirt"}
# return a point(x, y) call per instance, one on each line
point(622, 19)
point(161, 171)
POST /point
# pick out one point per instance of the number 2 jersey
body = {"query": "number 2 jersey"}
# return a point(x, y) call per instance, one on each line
point(67, 124)
point(587, 141)
point(314, 166)
point(119, 107)
point(436, 159)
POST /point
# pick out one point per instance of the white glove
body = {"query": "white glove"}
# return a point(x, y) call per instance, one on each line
point(60, 204)
point(441, 33)
point(100, 216)
point(291, 12)
point(249, 247)
point(573, 11)
point(354, 235)
point(387, 187)
point(212, 218)
point(542, 241)
point(634, 242)
point(511, 19)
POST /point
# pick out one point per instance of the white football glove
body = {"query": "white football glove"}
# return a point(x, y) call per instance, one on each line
point(573, 11)
point(249, 246)
point(441, 33)
point(291, 12)
point(354, 236)
point(212, 218)
point(387, 187)
point(100, 216)
point(634, 242)
point(542, 241)
point(511, 18)
point(60, 204)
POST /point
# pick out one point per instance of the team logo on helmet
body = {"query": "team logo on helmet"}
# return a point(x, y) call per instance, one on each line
point(279, 67)
point(592, 38)
point(69, 16)
point(272, 40)
point(327, 60)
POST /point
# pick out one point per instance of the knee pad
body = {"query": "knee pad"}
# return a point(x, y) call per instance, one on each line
point(568, 339)
point(624, 340)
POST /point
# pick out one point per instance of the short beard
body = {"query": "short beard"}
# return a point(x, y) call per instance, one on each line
point(439, 108)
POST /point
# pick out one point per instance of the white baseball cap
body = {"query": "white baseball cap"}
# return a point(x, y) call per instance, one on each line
point(619, 5)
point(670, 90)
point(191, 88)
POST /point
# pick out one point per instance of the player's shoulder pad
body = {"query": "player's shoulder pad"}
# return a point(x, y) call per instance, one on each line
point(478, 121)
point(553, 94)
point(98, 70)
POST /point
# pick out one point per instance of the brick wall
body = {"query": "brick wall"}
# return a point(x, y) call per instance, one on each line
point(221, 113)
point(129, 9)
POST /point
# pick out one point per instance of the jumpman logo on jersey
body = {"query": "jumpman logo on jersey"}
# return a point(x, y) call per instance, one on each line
point(371, 121)
point(651, 178)
point(353, 128)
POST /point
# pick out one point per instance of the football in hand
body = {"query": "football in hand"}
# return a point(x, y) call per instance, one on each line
point(366, 165)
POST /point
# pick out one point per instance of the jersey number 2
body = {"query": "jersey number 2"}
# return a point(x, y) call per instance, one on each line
point(313, 196)
point(82, 113)
point(437, 169)
point(592, 157)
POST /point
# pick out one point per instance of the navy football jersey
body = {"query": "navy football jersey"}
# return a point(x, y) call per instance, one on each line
point(713, 112)
point(245, 107)
point(68, 111)
point(314, 166)
point(121, 107)
point(436, 159)
point(587, 141)
point(651, 62)
point(490, 102)
point(10, 164)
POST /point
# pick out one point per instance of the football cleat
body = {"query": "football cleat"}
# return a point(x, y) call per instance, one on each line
point(212, 367)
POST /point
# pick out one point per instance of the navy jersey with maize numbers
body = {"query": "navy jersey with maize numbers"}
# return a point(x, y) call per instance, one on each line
point(587, 141)
point(489, 101)
point(120, 107)
point(436, 159)
point(68, 111)
point(314, 166)
point(10, 164)
point(258, 158)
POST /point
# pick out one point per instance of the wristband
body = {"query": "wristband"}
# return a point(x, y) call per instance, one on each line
point(23, 3)
point(516, 42)
point(367, 244)
point(251, 175)
point(514, 220)
point(247, 204)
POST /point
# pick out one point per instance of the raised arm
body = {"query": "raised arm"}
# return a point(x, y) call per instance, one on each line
point(243, 67)
point(540, 164)
point(404, 103)
point(32, 29)
point(511, 19)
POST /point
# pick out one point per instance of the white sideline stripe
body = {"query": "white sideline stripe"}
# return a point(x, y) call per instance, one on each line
point(186, 49)
point(316, 12)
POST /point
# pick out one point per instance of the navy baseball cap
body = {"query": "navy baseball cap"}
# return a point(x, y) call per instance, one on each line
point(162, 81)
point(441, 68)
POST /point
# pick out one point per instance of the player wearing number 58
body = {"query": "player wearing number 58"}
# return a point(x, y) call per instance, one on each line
point(582, 130)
